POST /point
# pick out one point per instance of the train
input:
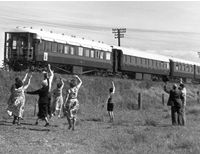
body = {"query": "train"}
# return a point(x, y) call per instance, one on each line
point(28, 48)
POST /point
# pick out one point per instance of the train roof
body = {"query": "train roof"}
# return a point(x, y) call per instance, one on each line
point(139, 53)
point(60, 38)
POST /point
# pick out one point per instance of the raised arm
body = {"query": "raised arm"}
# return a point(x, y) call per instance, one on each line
point(25, 77)
point(80, 81)
point(51, 72)
point(29, 81)
point(113, 87)
point(62, 82)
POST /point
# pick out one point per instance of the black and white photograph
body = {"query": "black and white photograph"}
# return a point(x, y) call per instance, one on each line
point(100, 77)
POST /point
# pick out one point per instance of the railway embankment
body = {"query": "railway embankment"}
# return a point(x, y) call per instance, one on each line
point(94, 92)
point(133, 131)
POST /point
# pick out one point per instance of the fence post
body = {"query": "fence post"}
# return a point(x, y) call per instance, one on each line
point(139, 101)
point(163, 99)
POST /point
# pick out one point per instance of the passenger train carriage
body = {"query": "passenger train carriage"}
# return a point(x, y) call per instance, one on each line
point(142, 65)
point(37, 47)
point(28, 48)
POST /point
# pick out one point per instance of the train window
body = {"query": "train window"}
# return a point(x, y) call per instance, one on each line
point(158, 64)
point(133, 60)
point(54, 47)
point(92, 53)
point(167, 65)
point(146, 62)
point(87, 52)
point(192, 69)
point(124, 58)
point(80, 51)
point(72, 51)
point(181, 67)
point(47, 46)
point(66, 49)
point(128, 59)
point(186, 68)
point(41, 46)
point(14, 44)
point(143, 61)
point(60, 48)
point(97, 53)
point(150, 62)
point(176, 67)
point(101, 54)
point(154, 63)
point(162, 65)
point(140, 61)
point(108, 55)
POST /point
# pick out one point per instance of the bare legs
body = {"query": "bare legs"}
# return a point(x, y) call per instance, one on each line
point(71, 120)
point(111, 115)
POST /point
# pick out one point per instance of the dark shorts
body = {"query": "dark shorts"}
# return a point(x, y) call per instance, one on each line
point(110, 106)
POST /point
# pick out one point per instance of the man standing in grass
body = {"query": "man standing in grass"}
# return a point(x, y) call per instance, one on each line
point(49, 79)
point(175, 103)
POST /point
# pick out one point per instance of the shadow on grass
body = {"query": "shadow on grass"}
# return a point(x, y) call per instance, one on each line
point(6, 124)
point(34, 129)
point(93, 119)
point(184, 144)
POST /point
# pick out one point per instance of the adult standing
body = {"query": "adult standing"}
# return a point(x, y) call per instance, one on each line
point(71, 104)
point(43, 101)
point(48, 79)
point(176, 104)
point(58, 99)
point(16, 101)
point(183, 98)
point(109, 102)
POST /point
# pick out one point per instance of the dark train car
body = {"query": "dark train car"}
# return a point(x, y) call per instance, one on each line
point(183, 69)
point(142, 65)
point(18, 49)
point(197, 71)
point(73, 54)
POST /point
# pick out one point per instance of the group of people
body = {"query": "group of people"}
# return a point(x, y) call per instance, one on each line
point(177, 101)
point(69, 105)
point(47, 107)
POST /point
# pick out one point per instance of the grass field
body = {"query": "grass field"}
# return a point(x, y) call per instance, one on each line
point(146, 131)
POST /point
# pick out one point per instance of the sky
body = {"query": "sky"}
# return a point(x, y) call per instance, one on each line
point(169, 28)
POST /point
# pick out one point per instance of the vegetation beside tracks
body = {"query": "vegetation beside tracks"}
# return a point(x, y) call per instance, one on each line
point(134, 131)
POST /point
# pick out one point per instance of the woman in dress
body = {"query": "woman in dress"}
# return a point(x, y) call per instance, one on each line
point(16, 101)
point(71, 104)
point(57, 99)
point(42, 102)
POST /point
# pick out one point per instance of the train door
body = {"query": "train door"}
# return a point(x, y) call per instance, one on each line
point(117, 57)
